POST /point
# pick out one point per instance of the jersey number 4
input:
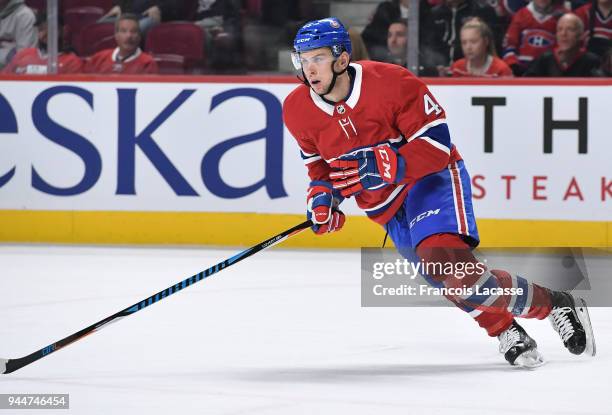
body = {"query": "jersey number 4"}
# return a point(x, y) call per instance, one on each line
point(430, 105)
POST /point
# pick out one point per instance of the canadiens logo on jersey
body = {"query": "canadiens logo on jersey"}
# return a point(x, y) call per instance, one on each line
point(539, 41)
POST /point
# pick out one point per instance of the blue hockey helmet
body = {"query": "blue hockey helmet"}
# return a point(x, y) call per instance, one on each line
point(323, 33)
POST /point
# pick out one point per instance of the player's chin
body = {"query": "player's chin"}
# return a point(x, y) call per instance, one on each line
point(317, 86)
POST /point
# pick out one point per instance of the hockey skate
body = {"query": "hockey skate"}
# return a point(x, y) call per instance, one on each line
point(518, 348)
point(570, 318)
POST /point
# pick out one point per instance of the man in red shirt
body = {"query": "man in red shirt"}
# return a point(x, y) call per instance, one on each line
point(126, 58)
point(34, 60)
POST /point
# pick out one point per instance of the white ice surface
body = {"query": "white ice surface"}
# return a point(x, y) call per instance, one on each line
point(280, 333)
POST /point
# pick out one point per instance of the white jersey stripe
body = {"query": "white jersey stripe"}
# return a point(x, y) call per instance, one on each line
point(388, 200)
point(450, 168)
point(462, 212)
point(312, 160)
point(475, 313)
point(426, 127)
point(436, 144)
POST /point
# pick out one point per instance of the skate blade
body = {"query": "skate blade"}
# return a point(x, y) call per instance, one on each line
point(530, 359)
point(583, 316)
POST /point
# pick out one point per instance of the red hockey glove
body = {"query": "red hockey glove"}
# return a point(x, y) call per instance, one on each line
point(369, 168)
point(321, 208)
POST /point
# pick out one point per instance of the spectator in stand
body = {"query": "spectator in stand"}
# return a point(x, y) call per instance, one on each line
point(478, 45)
point(16, 29)
point(568, 57)
point(397, 43)
point(597, 25)
point(34, 60)
point(397, 47)
point(442, 45)
point(375, 33)
point(149, 12)
point(220, 20)
point(126, 58)
point(531, 33)
point(217, 15)
point(360, 51)
point(606, 64)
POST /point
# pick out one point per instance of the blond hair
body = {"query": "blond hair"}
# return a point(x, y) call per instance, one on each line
point(485, 32)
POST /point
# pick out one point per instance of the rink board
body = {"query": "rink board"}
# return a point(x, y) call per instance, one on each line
point(207, 160)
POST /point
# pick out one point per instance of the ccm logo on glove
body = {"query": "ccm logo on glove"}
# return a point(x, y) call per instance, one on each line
point(385, 162)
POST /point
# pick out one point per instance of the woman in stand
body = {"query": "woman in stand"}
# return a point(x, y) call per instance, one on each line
point(480, 58)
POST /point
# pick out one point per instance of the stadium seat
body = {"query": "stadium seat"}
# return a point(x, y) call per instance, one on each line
point(105, 5)
point(76, 19)
point(178, 38)
point(94, 38)
point(170, 64)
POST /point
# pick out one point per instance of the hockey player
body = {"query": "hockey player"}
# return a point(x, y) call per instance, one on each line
point(373, 131)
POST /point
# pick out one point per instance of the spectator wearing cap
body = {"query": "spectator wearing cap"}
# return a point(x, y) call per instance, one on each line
point(16, 29)
point(568, 57)
point(34, 60)
point(127, 57)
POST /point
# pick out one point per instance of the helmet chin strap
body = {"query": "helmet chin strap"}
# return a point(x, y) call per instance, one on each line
point(333, 81)
point(334, 78)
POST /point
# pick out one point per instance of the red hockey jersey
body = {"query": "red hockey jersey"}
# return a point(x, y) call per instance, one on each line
point(494, 66)
point(387, 104)
point(107, 61)
point(32, 61)
point(602, 26)
point(530, 34)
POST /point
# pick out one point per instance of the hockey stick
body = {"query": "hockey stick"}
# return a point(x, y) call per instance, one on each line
point(11, 365)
